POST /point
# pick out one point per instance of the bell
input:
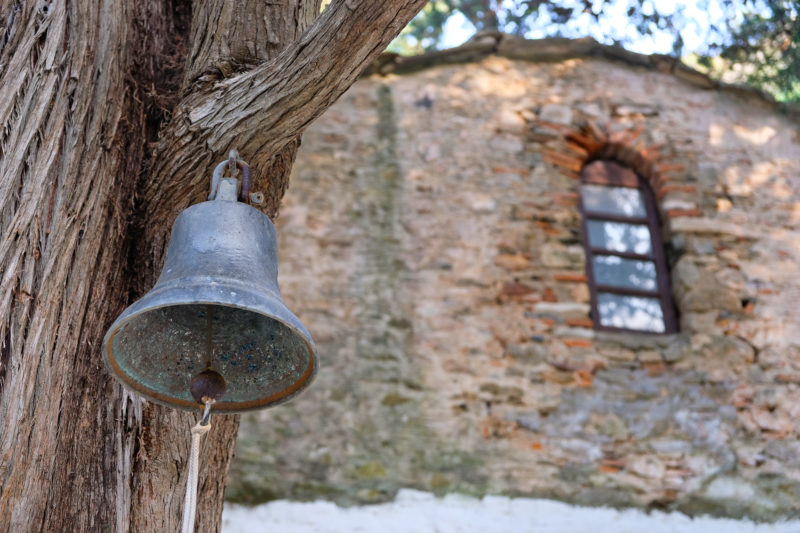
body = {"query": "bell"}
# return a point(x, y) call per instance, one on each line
point(215, 310)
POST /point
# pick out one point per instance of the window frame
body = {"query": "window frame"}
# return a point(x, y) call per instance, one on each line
point(610, 173)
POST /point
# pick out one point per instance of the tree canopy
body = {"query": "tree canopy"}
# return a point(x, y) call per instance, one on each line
point(751, 41)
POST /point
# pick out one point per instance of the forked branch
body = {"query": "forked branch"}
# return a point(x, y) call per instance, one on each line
point(261, 111)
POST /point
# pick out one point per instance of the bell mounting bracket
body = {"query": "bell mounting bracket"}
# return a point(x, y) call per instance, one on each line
point(227, 189)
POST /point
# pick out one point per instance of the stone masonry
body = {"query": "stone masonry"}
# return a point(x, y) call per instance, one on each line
point(431, 243)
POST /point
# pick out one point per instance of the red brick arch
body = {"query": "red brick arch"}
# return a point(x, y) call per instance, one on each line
point(581, 144)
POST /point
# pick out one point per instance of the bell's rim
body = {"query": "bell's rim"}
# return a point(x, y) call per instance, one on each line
point(222, 407)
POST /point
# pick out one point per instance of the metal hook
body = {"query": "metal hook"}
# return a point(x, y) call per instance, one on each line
point(244, 194)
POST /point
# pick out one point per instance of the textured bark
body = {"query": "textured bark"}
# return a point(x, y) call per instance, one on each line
point(230, 36)
point(261, 111)
point(74, 127)
point(85, 211)
point(161, 461)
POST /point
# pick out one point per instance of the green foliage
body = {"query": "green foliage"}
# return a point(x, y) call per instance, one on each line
point(766, 44)
point(754, 41)
point(425, 31)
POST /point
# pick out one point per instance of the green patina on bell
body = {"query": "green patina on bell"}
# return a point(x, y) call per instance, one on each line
point(215, 307)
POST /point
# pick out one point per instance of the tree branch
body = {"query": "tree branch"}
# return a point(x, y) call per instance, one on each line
point(286, 94)
point(261, 111)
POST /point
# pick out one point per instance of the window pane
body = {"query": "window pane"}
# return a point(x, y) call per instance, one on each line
point(630, 312)
point(613, 200)
point(628, 273)
point(619, 236)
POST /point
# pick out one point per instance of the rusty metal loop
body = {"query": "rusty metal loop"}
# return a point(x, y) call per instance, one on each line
point(233, 163)
point(244, 194)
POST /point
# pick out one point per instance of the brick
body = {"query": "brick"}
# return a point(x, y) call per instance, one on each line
point(666, 189)
point(569, 162)
point(571, 277)
point(584, 378)
point(653, 151)
point(611, 466)
point(580, 322)
point(514, 289)
point(549, 295)
point(578, 149)
point(671, 167)
point(654, 369)
point(589, 143)
point(675, 213)
point(511, 170)
point(566, 199)
point(577, 343)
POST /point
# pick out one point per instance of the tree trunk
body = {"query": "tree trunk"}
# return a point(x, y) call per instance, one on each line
point(87, 197)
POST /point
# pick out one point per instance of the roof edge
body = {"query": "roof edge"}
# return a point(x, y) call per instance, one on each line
point(554, 49)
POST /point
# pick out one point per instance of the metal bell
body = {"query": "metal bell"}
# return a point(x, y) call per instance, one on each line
point(216, 308)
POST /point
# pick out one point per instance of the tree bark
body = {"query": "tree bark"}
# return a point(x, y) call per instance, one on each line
point(86, 202)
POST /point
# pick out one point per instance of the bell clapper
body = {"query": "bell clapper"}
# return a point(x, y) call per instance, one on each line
point(207, 385)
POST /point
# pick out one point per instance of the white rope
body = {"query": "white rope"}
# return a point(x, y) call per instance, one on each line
point(190, 501)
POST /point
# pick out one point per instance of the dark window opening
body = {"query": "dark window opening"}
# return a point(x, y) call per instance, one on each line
point(626, 266)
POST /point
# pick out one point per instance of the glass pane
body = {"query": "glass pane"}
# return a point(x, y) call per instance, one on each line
point(621, 272)
point(619, 236)
point(630, 312)
point(613, 200)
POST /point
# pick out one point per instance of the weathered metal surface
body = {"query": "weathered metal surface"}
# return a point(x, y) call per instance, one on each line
point(215, 306)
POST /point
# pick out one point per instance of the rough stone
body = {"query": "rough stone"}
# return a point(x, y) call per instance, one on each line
point(530, 352)
point(560, 114)
point(610, 425)
point(564, 310)
point(649, 356)
point(616, 353)
point(697, 290)
point(554, 255)
point(647, 466)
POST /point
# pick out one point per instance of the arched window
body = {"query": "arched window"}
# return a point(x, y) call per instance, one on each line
point(625, 262)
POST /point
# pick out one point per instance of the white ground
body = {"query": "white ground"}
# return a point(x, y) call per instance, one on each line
point(420, 512)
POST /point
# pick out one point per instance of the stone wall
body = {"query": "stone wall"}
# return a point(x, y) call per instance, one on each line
point(430, 241)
